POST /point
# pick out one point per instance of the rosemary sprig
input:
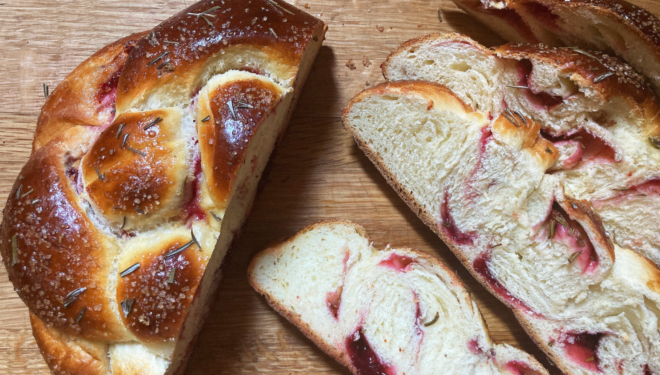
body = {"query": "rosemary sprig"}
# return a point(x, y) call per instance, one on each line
point(231, 109)
point(433, 321)
point(101, 176)
point(524, 120)
point(281, 7)
point(206, 119)
point(139, 210)
point(517, 87)
point(551, 229)
point(170, 278)
point(654, 142)
point(548, 150)
point(575, 255)
point(216, 217)
point(14, 250)
point(129, 270)
point(18, 191)
point(603, 77)
point(152, 62)
point(121, 127)
point(583, 52)
point(446, 224)
point(622, 189)
point(153, 123)
point(242, 105)
point(192, 234)
point(511, 120)
point(177, 251)
point(73, 296)
point(124, 223)
point(551, 343)
point(27, 193)
point(170, 42)
point(80, 314)
point(46, 94)
point(127, 306)
point(206, 12)
point(273, 32)
point(560, 219)
point(183, 187)
point(131, 149)
point(123, 141)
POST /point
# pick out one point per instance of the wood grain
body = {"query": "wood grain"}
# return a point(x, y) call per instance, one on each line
point(316, 173)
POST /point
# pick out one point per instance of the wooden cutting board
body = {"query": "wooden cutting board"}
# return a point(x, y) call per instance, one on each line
point(316, 173)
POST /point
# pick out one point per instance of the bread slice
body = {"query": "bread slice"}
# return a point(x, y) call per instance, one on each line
point(483, 186)
point(612, 26)
point(393, 311)
point(597, 112)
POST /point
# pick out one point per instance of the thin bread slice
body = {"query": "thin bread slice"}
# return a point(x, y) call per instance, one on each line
point(482, 185)
point(393, 311)
point(613, 26)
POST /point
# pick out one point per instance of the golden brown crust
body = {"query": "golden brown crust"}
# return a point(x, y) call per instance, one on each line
point(135, 172)
point(64, 355)
point(161, 288)
point(235, 112)
point(86, 95)
point(178, 50)
point(58, 248)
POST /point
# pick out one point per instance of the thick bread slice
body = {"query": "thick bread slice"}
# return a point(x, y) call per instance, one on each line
point(612, 26)
point(482, 185)
point(394, 311)
point(597, 112)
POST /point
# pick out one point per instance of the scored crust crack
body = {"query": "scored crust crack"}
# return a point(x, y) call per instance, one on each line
point(145, 163)
point(387, 312)
point(490, 183)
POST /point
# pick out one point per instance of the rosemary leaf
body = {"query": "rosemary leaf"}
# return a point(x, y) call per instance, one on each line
point(121, 127)
point(177, 251)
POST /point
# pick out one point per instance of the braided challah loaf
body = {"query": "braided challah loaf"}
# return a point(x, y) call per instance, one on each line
point(599, 114)
point(484, 184)
point(146, 162)
point(394, 311)
point(612, 26)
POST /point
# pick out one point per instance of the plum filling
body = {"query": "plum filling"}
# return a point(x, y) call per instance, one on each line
point(475, 347)
point(520, 368)
point(540, 100)
point(593, 150)
point(482, 267)
point(333, 299)
point(363, 357)
point(543, 15)
point(398, 263)
point(107, 93)
point(647, 370)
point(561, 228)
point(193, 209)
point(649, 189)
point(449, 226)
point(581, 348)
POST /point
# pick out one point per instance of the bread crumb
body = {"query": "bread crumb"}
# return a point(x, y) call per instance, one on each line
point(350, 64)
point(366, 62)
point(380, 28)
point(367, 83)
point(306, 5)
point(419, 26)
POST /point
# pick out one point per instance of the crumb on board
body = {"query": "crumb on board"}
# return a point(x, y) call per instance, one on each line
point(380, 28)
point(366, 62)
point(350, 64)
point(306, 5)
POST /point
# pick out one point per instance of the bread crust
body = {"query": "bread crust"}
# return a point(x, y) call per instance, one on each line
point(80, 99)
point(334, 352)
point(427, 218)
